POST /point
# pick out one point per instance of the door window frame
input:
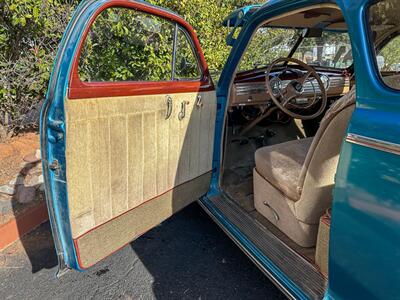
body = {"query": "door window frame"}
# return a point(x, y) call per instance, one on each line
point(192, 46)
point(373, 50)
point(79, 89)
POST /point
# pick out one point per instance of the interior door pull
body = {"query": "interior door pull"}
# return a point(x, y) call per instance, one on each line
point(199, 101)
point(182, 113)
point(168, 113)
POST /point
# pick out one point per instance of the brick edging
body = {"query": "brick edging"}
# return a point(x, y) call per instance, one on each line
point(14, 229)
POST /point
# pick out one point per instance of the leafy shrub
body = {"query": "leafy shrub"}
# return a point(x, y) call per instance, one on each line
point(30, 31)
point(123, 43)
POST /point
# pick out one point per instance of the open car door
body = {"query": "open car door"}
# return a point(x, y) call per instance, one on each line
point(127, 129)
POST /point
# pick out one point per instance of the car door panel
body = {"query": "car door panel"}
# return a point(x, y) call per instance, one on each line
point(117, 159)
point(125, 150)
point(124, 160)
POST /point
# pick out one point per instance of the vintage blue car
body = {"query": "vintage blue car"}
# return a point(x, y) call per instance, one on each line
point(302, 129)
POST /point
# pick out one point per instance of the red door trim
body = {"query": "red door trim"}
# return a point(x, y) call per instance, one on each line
point(80, 90)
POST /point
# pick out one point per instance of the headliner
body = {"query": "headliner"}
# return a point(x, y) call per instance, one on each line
point(320, 17)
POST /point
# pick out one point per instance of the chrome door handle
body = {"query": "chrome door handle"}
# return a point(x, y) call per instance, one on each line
point(182, 113)
point(169, 107)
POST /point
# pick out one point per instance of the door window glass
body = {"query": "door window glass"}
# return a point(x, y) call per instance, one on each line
point(384, 23)
point(125, 44)
point(187, 66)
point(388, 57)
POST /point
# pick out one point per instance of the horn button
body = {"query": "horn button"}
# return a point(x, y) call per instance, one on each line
point(298, 87)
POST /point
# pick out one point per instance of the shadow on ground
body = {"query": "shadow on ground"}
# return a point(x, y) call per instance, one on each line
point(186, 257)
point(38, 246)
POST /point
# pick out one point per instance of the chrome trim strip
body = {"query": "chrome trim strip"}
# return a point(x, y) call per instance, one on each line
point(373, 143)
point(245, 88)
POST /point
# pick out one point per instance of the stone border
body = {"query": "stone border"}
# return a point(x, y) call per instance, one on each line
point(14, 229)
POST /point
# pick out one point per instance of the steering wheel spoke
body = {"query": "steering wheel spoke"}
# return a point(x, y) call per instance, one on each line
point(305, 77)
point(288, 94)
point(286, 101)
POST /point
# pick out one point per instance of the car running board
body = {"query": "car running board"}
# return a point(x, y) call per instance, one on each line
point(301, 272)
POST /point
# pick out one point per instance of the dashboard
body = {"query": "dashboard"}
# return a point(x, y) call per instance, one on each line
point(249, 87)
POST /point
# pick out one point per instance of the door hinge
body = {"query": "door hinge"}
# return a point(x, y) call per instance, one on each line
point(55, 166)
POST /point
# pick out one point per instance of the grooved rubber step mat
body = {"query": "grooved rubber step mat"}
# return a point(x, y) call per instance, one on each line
point(300, 271)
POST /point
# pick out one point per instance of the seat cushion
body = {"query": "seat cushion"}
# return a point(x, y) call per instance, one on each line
point(281, 165)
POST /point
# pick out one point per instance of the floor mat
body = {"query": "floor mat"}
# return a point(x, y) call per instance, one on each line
point(242, 193)
point(237, 177)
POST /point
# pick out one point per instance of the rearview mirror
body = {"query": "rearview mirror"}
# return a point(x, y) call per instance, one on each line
point(313, 33)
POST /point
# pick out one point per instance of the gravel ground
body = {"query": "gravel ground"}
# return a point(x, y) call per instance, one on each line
point(186, 257)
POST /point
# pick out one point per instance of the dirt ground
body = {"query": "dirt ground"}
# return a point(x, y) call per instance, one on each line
point(12, 164)
point(13, 152)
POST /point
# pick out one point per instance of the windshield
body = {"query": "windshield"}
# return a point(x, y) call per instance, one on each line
point(267, 45)
point(331, 49)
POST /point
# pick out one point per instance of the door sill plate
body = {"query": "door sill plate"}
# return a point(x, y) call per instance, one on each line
point(302, 274)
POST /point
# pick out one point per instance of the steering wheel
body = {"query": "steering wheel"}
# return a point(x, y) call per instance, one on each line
point(286, 98)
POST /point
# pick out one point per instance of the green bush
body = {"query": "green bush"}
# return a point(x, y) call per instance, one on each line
point(123, 43)
point(30, 31)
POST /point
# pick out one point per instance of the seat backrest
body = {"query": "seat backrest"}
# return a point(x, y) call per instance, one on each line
point(393, 81)
point(317, 176)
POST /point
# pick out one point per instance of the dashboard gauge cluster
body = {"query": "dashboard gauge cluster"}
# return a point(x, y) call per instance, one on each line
point(325, 80)
point(276, 85)
point(253, 91)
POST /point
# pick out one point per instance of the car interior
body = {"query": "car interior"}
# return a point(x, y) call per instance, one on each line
point(289, 107)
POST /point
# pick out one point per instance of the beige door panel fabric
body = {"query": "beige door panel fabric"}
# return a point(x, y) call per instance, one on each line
point(110, 236)
point(122, 152)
